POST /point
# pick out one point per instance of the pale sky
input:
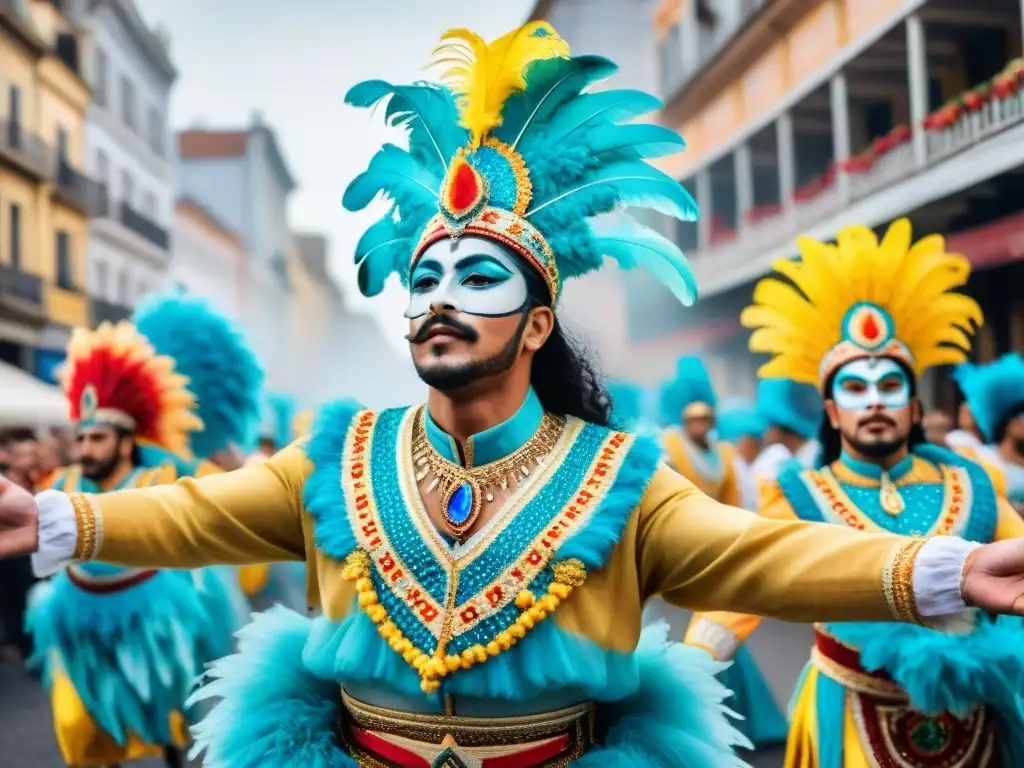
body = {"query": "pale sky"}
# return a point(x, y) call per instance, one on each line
point(294, 61)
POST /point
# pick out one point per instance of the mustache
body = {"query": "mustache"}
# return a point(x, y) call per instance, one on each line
point(877, 418)
point(457, 328)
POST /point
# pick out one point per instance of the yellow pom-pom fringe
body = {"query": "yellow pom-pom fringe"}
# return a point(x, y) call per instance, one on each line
point(568, 574)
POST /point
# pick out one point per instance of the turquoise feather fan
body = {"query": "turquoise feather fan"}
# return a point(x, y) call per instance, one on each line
point(627, 404)
point(993, 392)
point(223, 371)
point(581, 154)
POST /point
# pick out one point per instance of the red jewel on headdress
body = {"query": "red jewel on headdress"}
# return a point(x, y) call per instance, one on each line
point(869, 328)
point(464, 190)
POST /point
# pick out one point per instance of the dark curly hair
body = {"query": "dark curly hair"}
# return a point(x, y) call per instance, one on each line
point(566, 381)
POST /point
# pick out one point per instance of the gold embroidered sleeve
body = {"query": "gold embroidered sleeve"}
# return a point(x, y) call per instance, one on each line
point(707, 556)
point(252, 515)
point(1009, 524)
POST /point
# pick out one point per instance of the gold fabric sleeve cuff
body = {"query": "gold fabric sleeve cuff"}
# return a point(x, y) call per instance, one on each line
point(898, 581)
point(90, 525)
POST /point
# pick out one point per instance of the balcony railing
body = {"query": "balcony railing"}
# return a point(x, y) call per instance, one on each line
point(144, 226)
point(22, 293)
point(25, 149)
point(106, 311)
point(75, 189)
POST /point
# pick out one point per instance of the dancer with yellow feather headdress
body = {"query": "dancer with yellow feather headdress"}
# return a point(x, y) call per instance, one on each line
point(482, 560)
point(863, 319)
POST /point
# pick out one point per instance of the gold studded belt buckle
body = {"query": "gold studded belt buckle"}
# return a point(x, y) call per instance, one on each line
point(384, 738)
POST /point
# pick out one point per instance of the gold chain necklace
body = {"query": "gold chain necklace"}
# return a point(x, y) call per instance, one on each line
point(464, 489)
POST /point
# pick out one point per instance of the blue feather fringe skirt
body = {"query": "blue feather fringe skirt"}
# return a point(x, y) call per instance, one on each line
point(276, 707)
point(120, 665)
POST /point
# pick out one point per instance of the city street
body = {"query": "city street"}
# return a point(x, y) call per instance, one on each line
point(26, 735)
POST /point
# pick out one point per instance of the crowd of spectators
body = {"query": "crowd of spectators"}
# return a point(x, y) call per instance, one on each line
point(27, 457)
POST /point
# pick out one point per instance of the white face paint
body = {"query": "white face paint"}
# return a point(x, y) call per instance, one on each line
point(868, 382)
point(472, 274)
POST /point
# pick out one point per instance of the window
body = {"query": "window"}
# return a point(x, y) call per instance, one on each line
point(102, 167)
point(149, 205)
point(122, 288)
point(62, 145)
point(670, 61)
point(15, 235)
point(156, 131)
point(128, 103)
point(127, 187)
point(102, 276)
point(99, 93)
point(14, 116)
point(65, 278)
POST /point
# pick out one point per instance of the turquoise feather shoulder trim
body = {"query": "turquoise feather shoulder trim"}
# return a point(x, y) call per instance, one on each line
point(323, 493)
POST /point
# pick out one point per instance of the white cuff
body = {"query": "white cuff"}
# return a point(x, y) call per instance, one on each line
point(717, 638)
point(937, 572)
point(58, 533)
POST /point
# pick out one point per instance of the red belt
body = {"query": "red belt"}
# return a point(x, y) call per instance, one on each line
point(531, 757)
point(109, 587)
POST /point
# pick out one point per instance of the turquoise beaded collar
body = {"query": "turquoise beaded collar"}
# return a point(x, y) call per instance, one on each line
point(492, 444)
point(874, 472)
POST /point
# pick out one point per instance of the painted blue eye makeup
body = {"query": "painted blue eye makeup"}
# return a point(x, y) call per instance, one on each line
point(862, 384)
point(482, 272)
point(472, 275)
point(425, 277)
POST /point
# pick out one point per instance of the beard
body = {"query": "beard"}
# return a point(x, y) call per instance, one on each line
point(877, 450)
point(99, 470)
point(450, 378)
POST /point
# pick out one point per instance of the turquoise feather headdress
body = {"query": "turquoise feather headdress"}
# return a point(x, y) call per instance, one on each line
point(509, 146)
point(738, 418)
point(223, 371)
point(690, 391)
point(791, 405)
point(992, 391)
point(627, 404)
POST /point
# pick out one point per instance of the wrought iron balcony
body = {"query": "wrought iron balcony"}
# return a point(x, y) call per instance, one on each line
point(25, 150)
point(109, 312)
point(144, 226)
point(75, 189)
point(21, 292)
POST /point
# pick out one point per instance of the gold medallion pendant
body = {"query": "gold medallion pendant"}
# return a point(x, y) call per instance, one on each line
point(465, 489)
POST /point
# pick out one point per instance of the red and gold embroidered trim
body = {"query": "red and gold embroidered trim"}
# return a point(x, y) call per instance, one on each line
point(540, 552)
point(90, 525)
point(370, 534)
point(837, 505)
point(898, 581)
point(375, 551)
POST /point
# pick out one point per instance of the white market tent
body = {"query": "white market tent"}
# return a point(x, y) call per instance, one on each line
point(25, 401)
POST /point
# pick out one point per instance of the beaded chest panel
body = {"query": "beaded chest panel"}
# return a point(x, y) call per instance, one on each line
point(445, 611)
point(931, 509)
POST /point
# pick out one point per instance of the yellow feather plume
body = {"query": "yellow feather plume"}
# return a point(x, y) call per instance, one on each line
point(801, 321)
point(483, 75)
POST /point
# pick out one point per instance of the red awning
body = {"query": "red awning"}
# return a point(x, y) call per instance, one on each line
point(992, 244)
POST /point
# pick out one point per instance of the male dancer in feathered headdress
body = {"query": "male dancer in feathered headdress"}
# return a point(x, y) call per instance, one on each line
point(482, 559)
point(688, 411)
point(121, 646)
point(995, 395)
point(864, 319)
